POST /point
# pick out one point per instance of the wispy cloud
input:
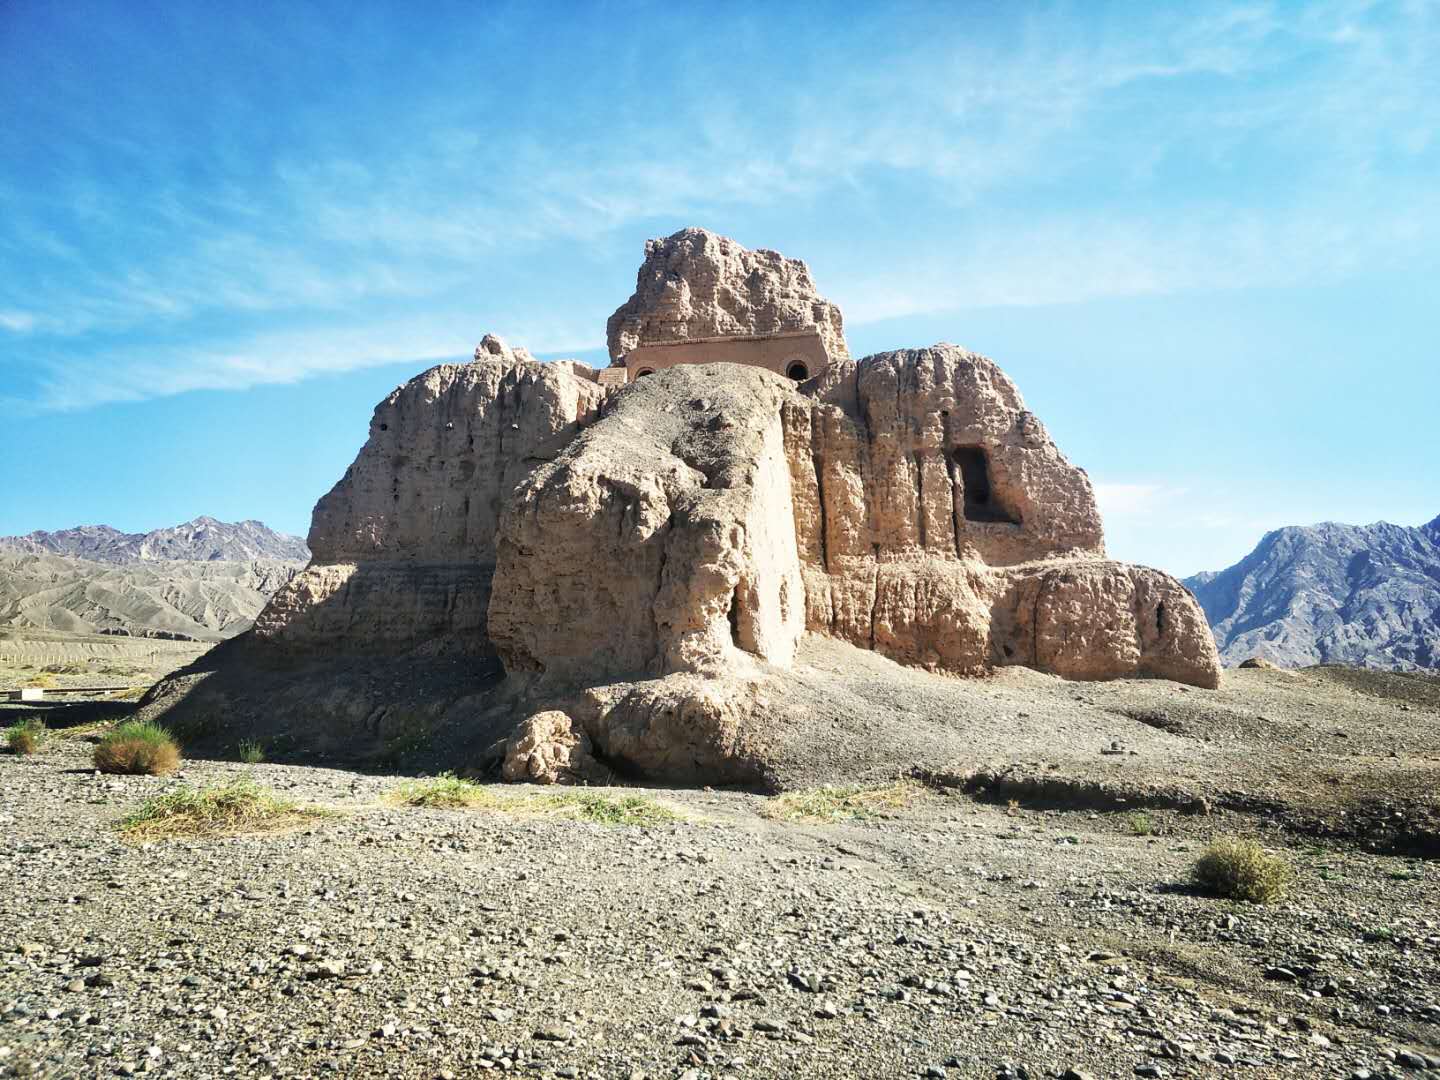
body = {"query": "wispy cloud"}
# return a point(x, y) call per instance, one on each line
point(18, 322)
point(1075, 159)
point(1132, 499)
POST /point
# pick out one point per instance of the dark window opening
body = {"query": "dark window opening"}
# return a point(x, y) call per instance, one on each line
point(1160, 618)
point(980, 501)
point(643, 372)
point(798, 372)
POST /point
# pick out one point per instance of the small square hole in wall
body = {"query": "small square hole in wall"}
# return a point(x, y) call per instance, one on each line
point(981, 504)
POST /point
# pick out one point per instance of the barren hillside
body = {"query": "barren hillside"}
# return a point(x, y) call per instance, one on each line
point(207, 601)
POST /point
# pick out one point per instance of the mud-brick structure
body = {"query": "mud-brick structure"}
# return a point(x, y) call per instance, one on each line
point(796, 354)
point(569, 570)
point(703, 299)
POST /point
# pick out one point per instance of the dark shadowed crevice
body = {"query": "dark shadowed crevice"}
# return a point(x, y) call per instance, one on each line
point(818, 466)
point(919, 467)
point(735, 618)
point(981, 503)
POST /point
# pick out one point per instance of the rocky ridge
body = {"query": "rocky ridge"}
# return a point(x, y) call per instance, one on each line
point(1330, 594)
point(204, 540)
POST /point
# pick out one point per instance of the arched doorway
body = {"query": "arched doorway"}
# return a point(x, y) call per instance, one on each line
point(643, 372)
point(798, 371)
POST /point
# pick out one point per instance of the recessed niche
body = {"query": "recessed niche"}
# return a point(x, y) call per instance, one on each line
point(981, 503)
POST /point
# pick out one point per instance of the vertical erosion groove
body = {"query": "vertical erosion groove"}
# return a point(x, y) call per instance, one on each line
point(954, 513)
point(919, 468)
point(818, 465)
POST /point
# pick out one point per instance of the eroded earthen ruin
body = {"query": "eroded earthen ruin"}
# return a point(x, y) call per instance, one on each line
point(643, 556)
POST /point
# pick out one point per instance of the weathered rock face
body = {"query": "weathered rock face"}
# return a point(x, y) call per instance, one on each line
point(404, 545)
point(931, 513)
point(549, 748)
point(696, 284)
point(660, 540)
point(644, 561)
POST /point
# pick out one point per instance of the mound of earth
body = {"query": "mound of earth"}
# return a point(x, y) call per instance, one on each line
point(654, 562)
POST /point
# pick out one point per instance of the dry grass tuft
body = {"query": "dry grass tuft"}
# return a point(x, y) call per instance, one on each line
point(450, 792)
point(241, 806)
point(1243, 870)
point(26, 736)
point(851, 802)
point(137, 747)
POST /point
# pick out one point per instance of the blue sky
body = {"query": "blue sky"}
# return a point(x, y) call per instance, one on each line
point(1203, 238)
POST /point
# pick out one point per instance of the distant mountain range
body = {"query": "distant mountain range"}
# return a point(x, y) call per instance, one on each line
point(205, 580)
point(201, 540)
point(1366, 595)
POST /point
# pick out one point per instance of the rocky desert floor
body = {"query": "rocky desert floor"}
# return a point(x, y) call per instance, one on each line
point(961, 930)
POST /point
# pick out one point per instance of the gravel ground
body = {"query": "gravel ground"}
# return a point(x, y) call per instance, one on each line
point(953, 938)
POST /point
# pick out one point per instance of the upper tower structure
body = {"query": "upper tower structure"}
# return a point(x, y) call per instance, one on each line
point(701, 298)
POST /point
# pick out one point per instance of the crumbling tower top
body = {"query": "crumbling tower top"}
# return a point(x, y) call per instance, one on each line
point(700, 298)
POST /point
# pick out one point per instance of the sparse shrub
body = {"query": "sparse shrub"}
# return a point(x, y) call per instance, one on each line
point(239, 806)
point(1242, 870)
point(64, 669)
point(450, 792)
point(834, 803)
point(43, 681)
point(137, 747)
point(252, 752)
point(608, 810)
point(444, 792)
point(26, 736)
point(1141, 824)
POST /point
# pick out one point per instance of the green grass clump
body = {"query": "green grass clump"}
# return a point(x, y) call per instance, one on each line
point(607, 809)
point(137, 747)
point(1243, 870)
point(449, 792)
point(853, 802)
point(223, 810)
point(1141, 824)
point(251, 751)
point(26, 736)
point(444, 792)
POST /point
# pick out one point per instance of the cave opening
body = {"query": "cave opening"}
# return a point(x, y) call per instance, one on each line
point(981, 503)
